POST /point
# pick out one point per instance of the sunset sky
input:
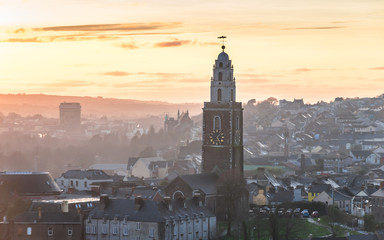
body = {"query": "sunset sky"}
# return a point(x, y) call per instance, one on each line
point(165, 49)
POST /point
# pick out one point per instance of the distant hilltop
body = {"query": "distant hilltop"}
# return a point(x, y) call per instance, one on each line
point(48, 105)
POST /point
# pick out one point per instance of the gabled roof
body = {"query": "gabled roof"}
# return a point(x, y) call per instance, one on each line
point(378, 193)
point(319, 187)
point(283, 197)
point(52, 211)
point(206, 182)
point(90, 174)
point(150, 211)
point(29, 183)
point(132, 161)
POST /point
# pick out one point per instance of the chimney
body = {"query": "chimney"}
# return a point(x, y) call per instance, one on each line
point(139, 202)
point(64, 206)
point(167, 202)
point(39, 213)
point(104, 199)
point(197, 198)
point(5, 219)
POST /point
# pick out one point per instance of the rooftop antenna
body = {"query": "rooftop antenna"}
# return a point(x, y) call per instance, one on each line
point(222, 38)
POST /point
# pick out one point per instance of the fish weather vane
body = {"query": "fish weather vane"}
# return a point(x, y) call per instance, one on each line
point(222, 38)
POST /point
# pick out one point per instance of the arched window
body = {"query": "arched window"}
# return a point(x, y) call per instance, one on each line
point(237, 123)
point(231, 94)
point(220, 76)
point(221, 64)
point(219, 94)
point(217, 123)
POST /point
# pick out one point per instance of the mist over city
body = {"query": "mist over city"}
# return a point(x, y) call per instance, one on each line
point(170, 120)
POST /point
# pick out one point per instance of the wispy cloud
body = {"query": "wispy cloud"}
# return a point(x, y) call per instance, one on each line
point(129, 45)
point(377, 68)
point(178, 43)
point(303, 70)
point(113, 27)
point(117, 73)
point(316, 28)
point(67, 84)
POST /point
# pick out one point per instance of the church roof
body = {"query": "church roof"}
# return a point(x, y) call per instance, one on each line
point(223, 56)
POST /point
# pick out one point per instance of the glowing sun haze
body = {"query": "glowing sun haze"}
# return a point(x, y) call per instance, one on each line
point(165, 50)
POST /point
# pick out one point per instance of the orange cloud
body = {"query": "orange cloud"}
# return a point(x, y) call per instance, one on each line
point(20, 30)
point(117, 74)
point(315, 28)
point(113, 27)
point(175, 43)
point(129, 45)
point(303, 70)
point(377, 68)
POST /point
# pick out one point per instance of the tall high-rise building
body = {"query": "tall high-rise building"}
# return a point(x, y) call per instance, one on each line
point(70, 116)
point(223, 121)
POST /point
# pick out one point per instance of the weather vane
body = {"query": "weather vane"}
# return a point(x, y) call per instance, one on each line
point(222, 38)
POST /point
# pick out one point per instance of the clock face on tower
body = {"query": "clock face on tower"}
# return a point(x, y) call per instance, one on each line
point(216, 137)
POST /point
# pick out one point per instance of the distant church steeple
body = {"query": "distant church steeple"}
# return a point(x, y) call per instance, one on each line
point(223, 86)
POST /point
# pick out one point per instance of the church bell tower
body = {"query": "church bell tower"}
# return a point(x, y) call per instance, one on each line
point(223, 121)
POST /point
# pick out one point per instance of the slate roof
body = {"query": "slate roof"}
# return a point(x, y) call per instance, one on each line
point(319, 188)
point(283, 197)
point(378, 193)
point(52, 213)
point(131, 161)
point(29, 183)
point(151, 211)
point(91, 174)
point(206, 182)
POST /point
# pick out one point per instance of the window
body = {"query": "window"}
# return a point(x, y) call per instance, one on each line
point(125, 231)
point(94, 229)
point(217, 123)
point(71, 183)
point(29, 231)
point(220, 76)
point(77, 183)
point(138, 225)
point(70, 231)
point(88, 229)
point(85, 184)
point(50, 231)
point(114, 230)
point(151, 233)
point(231, 94)
point(62, 182)
point(221, 64)
point(104, 229)
point(219, 94)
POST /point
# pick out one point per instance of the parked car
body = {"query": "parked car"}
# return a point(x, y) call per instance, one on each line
point(305, 213)
point(315, 214)
point(297, 212)
point(280, 212)
point(289, 212)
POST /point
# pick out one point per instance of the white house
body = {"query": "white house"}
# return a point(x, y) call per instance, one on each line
point(81, 180)
point(152, 167)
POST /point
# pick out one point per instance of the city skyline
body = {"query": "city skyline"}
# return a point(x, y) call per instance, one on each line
point(150, 50)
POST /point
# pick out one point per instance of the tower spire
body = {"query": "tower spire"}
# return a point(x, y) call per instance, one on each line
point(222, 38)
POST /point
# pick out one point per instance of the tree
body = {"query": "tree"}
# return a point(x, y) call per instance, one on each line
point(369, 223)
